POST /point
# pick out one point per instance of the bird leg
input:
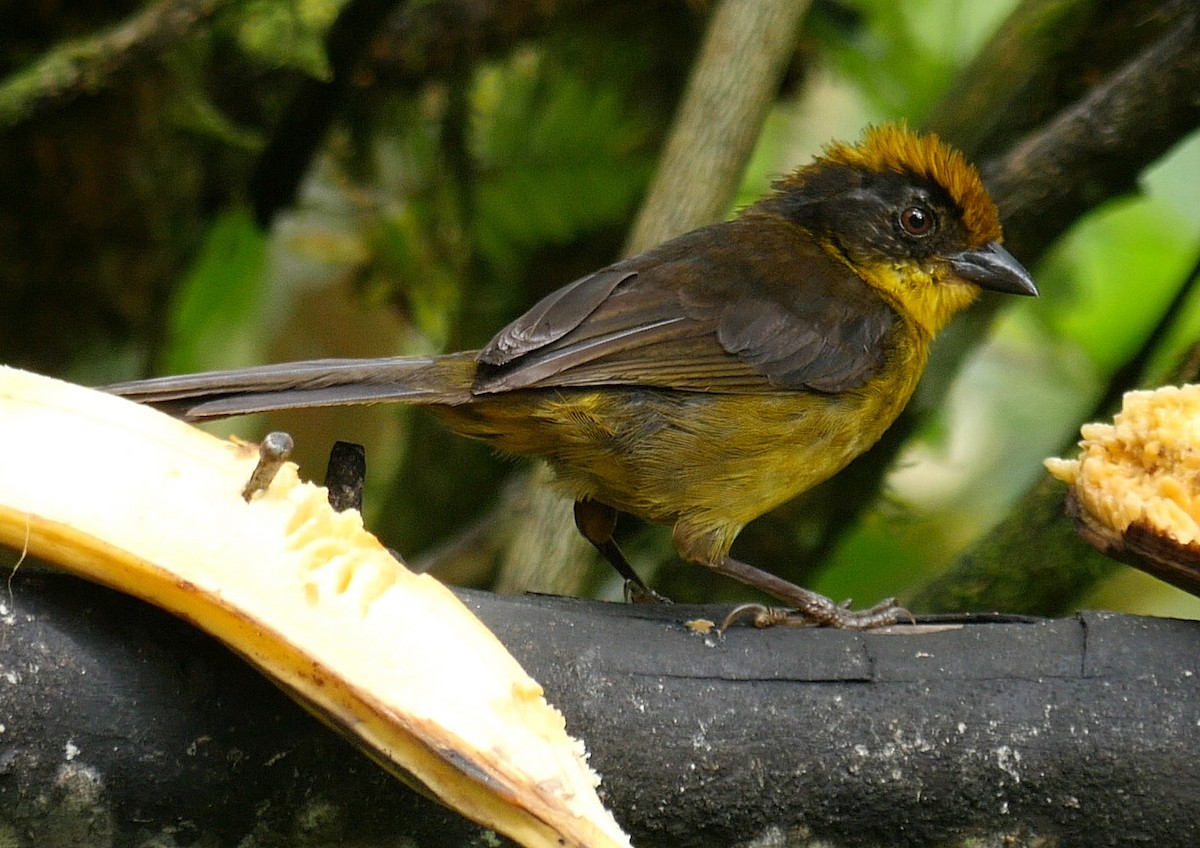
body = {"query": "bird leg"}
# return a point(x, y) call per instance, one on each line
point(808, 607)
point(596, 522)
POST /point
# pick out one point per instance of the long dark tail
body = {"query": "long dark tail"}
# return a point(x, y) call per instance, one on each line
point(320, 382)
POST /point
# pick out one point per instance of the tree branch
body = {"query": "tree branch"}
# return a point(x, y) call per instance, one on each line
point(305, 123)
point(121, 721)
point(1095, 149)
point(728, 96)
point(87, 64)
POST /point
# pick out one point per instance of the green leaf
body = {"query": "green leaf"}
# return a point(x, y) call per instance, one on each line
point(217, 305)
point(558, 155)
point(288, 33)
point(903, 55)
point(194, 111)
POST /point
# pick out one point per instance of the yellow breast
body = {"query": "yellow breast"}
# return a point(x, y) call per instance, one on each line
point(715, 461)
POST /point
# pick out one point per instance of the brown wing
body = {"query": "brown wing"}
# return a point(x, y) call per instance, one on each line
point(728, 308)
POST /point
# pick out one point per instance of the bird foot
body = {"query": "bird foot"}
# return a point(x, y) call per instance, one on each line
point(637, 592)
point(819, 611)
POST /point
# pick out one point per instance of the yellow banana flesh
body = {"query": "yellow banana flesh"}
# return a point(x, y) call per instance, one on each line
point(138, 501)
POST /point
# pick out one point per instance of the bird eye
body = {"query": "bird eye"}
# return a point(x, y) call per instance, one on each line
point(918, 221)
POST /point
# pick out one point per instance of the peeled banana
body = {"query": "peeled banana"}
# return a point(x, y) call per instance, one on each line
point(138, 501)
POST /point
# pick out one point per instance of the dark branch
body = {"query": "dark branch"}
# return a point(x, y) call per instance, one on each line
point(305, 123)
point(1095, 149)
point(1080, 731)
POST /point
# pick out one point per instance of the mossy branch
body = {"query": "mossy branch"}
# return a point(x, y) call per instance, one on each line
point(86, 65)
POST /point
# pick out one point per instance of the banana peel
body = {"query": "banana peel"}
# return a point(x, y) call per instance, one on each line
point(133, 499)
point(1135, 486)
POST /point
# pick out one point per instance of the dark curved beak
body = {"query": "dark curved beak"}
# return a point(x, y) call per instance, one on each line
point(993, 267)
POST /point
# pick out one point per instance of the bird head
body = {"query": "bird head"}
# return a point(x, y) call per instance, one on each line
point(910, 215)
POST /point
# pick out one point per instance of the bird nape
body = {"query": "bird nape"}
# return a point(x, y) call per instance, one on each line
point(711, 378)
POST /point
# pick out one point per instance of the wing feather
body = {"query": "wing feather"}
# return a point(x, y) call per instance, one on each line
point(702, 313)
point(553, 316)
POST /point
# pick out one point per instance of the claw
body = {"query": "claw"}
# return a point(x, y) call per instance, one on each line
point(839, 616)
point(762, 616)
point(754, 612)
point(642, 594)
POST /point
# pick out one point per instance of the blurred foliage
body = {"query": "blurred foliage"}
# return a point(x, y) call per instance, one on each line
point(286, 33)
point(901, 56)
point(557, 155)
point(454, 187)
point(217, 305)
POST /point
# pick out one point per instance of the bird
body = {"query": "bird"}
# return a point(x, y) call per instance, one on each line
point(714, 377)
